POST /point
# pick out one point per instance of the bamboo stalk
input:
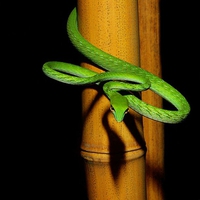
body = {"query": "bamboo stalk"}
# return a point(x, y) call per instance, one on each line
point(113, 152)
point(149, 24)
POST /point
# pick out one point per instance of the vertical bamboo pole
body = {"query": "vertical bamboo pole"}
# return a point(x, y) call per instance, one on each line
point(114, 153)
point(149, 24)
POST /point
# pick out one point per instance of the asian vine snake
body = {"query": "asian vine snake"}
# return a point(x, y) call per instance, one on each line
point(119, 75)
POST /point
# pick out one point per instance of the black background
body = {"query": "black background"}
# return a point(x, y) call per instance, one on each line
point(43, 117)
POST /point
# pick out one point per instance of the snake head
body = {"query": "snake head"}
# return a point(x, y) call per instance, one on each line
point(119, 107)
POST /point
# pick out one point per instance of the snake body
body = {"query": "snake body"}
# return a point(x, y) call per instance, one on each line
point(119, 75)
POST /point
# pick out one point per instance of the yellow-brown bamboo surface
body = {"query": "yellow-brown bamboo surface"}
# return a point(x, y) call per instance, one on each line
point(149, 26)
point(114, 153)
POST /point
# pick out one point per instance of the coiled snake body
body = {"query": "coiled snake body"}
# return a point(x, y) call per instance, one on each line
point(119, 75)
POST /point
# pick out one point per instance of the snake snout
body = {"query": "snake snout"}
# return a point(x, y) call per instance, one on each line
point(119, 114)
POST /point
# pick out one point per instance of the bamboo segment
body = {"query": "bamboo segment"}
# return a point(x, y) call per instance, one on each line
point(149, 23)
point(106, 24)
point(116, 177)
point(114, 153)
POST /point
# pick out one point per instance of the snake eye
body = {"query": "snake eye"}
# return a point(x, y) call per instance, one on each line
point(126, 111)
point(112, 109)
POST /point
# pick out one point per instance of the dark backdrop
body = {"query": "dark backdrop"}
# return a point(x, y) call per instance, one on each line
point(43, 117)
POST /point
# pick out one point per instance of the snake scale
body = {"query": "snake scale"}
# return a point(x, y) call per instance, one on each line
point(118, 76)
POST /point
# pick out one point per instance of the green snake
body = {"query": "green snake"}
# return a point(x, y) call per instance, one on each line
point(120, 80)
